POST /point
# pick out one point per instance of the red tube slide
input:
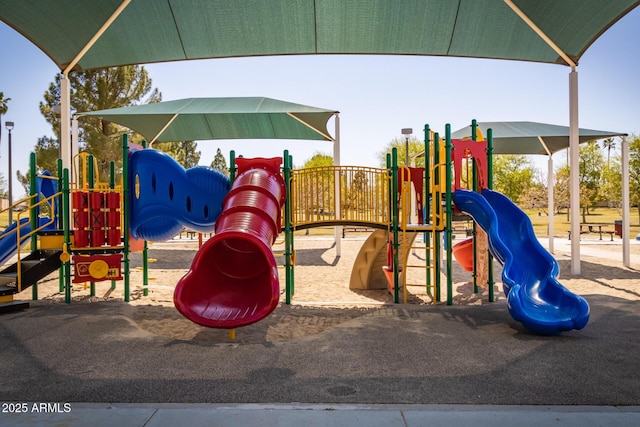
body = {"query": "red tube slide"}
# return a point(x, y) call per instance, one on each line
point(233, 280)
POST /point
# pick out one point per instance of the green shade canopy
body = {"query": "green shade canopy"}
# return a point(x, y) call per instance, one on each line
point(80, 35)
point(221, 118)
point(531, 137)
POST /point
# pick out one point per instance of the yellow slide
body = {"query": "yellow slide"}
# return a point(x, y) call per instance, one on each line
point(367, 270)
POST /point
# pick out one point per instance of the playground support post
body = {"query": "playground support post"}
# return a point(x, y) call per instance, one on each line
point(66, 214)
point(32, 216)
point(145, 257)
point(395, 224)
point(574, 168)
point(427, 211)
point(33, 193)
point(232, 166)
point(448, 212)
point(626, 255)
point(437, 204)
point(337, 187)
point(61, 220)
point(125, 209)
point(288, 231)
point(112, 186)
point(474, 187)
point(490, 186)
point(550, 201)
point(91, 181)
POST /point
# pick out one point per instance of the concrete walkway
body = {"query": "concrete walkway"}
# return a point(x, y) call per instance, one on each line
point(605, 248)
point(291, 415)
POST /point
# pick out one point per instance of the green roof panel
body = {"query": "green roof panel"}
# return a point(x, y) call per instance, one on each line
point(148, 31)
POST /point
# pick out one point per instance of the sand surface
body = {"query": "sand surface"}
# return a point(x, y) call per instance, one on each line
point(322, 296)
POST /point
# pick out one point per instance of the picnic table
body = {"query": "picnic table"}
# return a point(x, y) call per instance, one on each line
point(594, 228)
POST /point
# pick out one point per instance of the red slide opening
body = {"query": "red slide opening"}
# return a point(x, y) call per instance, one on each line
point(233, 280)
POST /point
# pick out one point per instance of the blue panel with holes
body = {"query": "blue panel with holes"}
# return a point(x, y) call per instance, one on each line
point(166, 198)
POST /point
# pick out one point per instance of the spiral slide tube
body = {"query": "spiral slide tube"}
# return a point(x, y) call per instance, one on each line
point(233, 280)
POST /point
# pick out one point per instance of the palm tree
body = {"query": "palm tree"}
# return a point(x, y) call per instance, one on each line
point(609, 143)
point(4, 107)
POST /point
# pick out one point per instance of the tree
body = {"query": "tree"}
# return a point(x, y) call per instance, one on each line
point(220, 163)
point(512, 174)
point(608, 144)
point(358, 190)
point(318, 160)
point(416, 147)
point(611, 189)
point(591, 163)
point(183, 152)
point(4, 107)
point(319, 185)
point(97, 90)
point(3, 182)
point(47, 153)
point(534, 197)
point(562, 189)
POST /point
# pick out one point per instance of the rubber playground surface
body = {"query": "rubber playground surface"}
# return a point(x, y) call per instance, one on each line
point(101, 349)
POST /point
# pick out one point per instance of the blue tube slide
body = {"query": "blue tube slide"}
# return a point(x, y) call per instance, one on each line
point(535, 296)
point(165, 197)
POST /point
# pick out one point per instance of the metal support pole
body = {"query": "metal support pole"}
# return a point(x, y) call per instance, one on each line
point(448, 213)
point(91, 181)
point(33, 215)
point(288, 231)
point(9, 126)
point(626, 255)
point(437, 206)
point(67, 239)
point(338, 199)
point(427, 210)
point(490, 186)
point(60, 218)
point(394, 225)
point(550, 203)
point(125, 208)
point(574, 172)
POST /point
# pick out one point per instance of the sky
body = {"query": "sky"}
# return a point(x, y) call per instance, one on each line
point(377, 96)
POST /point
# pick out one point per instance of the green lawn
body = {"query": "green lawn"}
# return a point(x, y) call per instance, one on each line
point(540, 223)
point(596, 216)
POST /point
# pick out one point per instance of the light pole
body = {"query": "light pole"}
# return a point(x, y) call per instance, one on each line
point(9, 126)
point(407, 133)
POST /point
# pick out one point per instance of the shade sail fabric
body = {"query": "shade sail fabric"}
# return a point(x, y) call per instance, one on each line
point(197, 119)
point(524, 137)
point(94, 34)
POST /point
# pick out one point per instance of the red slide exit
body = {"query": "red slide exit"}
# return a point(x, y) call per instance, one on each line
point(233, 279)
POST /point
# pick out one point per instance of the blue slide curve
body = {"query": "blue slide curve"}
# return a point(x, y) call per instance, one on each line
point(529, 275)
point(9, 239)
point(165, 197)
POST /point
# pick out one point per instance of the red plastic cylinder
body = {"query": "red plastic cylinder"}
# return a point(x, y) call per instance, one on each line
point(463, 253)
point(96, 218)
point(233, 280)
point(80, 201)
point(113, 218)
